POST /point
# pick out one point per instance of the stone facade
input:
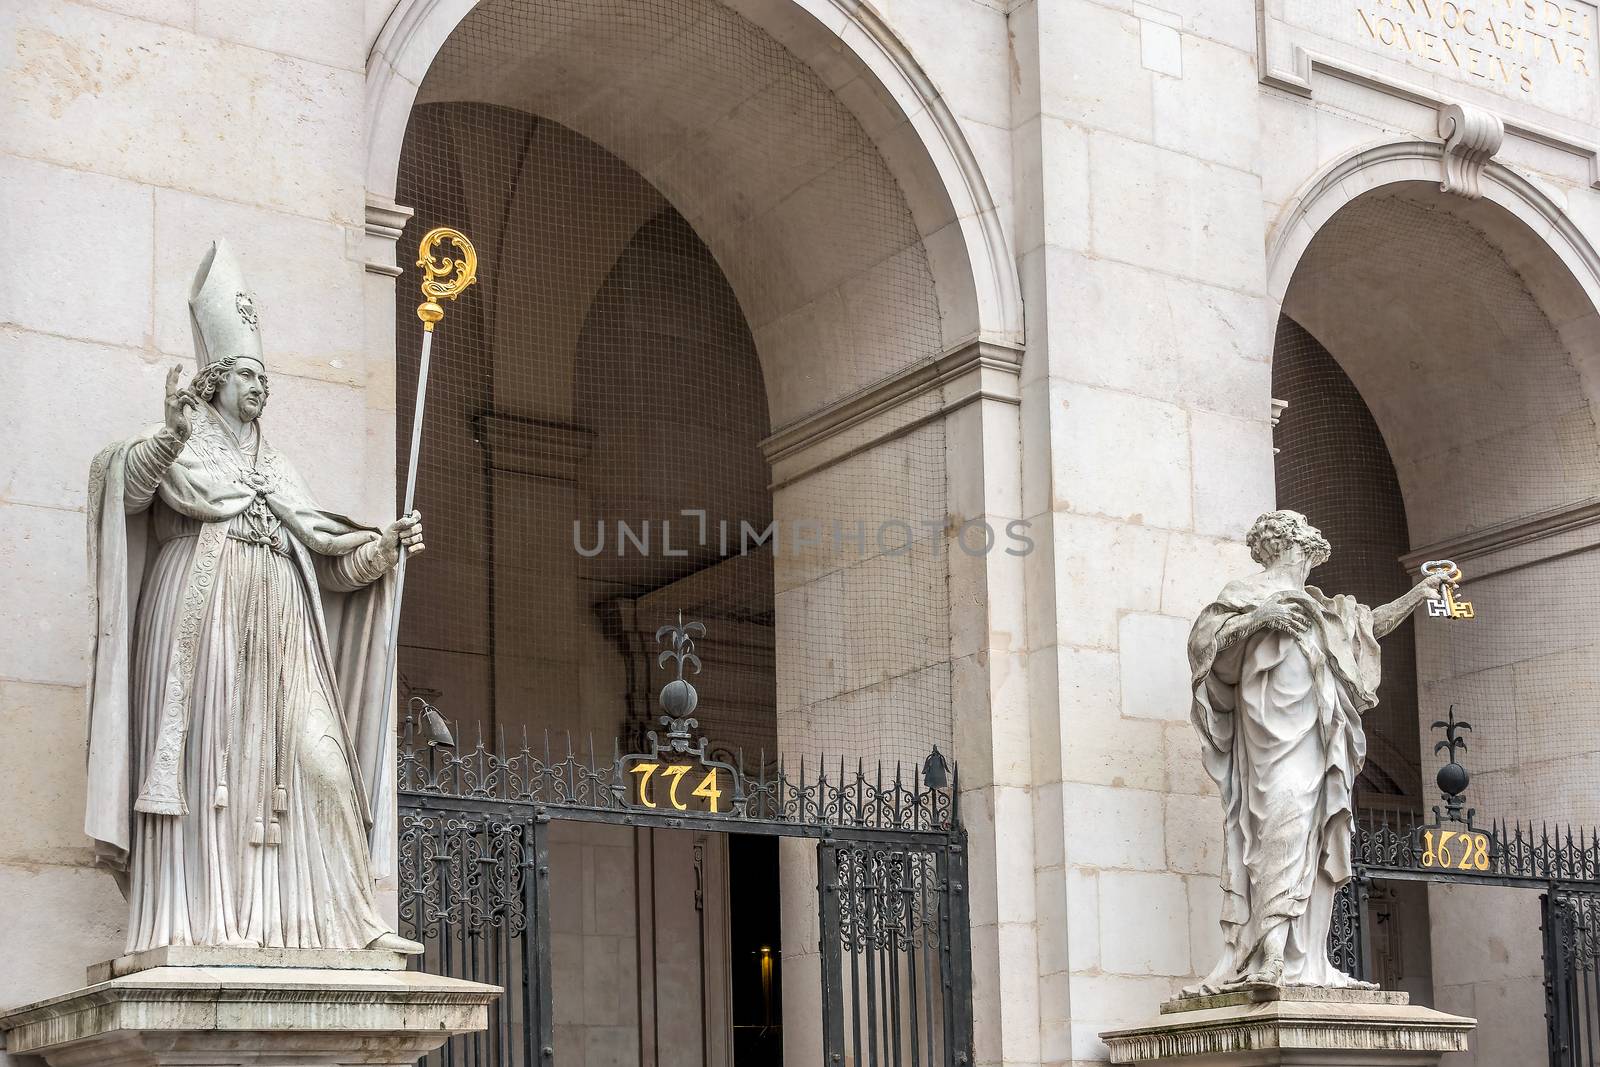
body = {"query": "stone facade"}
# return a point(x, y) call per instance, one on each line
point(1115, 201)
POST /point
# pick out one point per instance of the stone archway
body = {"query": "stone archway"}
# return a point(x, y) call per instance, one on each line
point(1469, 329)
point(870, 70)
point(938, 432)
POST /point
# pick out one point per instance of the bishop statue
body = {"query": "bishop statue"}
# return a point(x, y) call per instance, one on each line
point(240, 769)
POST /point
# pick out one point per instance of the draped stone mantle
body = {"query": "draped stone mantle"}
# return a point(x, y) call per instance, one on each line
point(1293, 1027)
point(243, 1016)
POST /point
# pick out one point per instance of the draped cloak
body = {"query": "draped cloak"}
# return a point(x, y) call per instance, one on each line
point(139, 753)
point(1279, 717)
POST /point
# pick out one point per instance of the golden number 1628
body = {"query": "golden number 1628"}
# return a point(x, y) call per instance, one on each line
point(1457, 849)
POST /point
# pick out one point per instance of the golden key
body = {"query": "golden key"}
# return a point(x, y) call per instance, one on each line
point(1447, 606)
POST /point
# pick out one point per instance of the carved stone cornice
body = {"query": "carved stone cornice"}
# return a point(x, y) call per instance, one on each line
point(978, 370)
point(1472, 136)
point(1518, 542)
point(385, 222)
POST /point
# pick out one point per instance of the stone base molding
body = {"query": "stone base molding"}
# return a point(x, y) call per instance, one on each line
point(231, 1015)
point(1293, 1027)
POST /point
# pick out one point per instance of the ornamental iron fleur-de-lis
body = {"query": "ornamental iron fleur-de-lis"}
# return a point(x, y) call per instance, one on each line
point(678, 697)
point(1452, 777)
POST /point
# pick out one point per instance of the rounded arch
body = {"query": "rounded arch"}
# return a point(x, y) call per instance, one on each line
point(1400, 162)
point(873, 74)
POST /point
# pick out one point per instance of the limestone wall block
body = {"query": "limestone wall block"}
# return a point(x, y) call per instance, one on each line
point(74, 918)
point(115, 392)
point(1205, 927)
point(45, 783)
point(1154, 666)
point(1225, 24)
point(1056, 900)
point(1288, 153)
point(1202, 113)
point(1082, 919)
point(1126, 328)
point(289, 261)
point(1121, 829)
point(1052, 182)
point(1090, 67)
point(1121, 456)
point(1176, 214)
point(44, 606)
point(1194, 834)
point(1114, 751)
point(331, 34)
point(310, 421)
point(1144, 923)
point(1186, 774)
point(92, 89)
point(106, 298)
point(1103, 569)
point(1197, 567)
point(1233, 474)
point(1099, 999)
point(989, 695)
point(963, 46)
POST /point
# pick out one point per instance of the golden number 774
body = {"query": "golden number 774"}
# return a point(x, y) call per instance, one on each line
point(651, 774)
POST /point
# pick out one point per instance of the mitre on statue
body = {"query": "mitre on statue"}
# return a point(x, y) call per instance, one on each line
point(223, 310)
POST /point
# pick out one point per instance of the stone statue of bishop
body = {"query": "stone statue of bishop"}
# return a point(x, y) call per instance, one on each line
point(1281, 675)
point(239, 770)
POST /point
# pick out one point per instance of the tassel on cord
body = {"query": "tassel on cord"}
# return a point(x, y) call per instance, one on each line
point(219, 799)
point(280, 800)
point(258, 831)
point(274, 833)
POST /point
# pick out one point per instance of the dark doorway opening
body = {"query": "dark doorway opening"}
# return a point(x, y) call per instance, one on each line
point(756, 928)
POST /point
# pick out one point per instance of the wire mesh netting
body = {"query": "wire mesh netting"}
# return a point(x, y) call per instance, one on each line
point(1435, 411)
point(687, 242)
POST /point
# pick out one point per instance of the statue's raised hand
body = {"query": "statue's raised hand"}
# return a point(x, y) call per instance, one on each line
point(181, 406)
point(407, 531)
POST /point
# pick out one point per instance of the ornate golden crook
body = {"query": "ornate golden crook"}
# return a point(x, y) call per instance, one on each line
point(444, 277)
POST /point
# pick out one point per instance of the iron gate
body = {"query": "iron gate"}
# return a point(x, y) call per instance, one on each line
point(1451, 848)
point(474, 867)
point(1571, 925)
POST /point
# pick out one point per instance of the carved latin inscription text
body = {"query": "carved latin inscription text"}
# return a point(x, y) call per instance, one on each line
point(1511, 43)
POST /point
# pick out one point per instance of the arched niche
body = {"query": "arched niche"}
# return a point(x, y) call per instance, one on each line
point(1469, 329)
point(771, 256)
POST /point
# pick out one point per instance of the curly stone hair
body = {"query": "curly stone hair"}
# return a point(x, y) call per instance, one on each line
point(1276, 531)
point(204, 385)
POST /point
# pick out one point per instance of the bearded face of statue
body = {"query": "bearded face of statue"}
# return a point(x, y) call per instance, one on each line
point(242, 390)
point(1277, 533)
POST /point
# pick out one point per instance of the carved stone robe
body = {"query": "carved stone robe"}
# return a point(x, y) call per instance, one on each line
point(1279, 718)
point(236, 757)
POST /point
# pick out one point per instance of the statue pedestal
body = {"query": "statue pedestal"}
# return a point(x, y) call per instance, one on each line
point(1293, 1027)
point(217, 1007)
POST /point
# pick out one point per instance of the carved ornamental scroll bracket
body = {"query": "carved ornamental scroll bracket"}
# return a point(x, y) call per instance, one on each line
point(1472, 136)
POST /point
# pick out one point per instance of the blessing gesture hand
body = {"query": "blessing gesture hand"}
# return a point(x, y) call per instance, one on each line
point(181, 405)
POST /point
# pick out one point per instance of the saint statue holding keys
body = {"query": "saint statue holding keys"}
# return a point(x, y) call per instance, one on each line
point(240, 757)
point(1281, 675)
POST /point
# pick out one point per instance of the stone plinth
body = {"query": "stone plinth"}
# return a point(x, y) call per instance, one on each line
point(232, 1014)
point(1293, 1027)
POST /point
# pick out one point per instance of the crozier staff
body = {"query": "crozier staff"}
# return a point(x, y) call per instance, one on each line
point(1281, 675)
point(238, 752)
